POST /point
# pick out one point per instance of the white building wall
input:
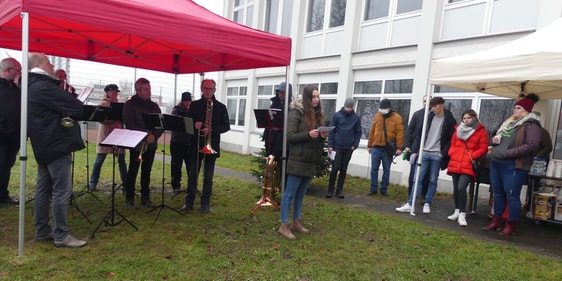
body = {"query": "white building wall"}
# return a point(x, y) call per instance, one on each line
point(398, 47)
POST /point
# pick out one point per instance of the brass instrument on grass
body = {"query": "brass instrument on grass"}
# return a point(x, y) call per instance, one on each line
point(208, 149)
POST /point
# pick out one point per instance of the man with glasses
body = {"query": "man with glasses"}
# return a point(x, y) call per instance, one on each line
point(10, 70)
point(210, 119)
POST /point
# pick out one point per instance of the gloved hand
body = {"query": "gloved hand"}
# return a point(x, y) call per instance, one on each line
point(413, 157)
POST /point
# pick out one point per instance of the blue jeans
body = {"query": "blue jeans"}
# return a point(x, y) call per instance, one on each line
point(9, 148)
point(506, 182)
point(295, 190)
point(431, 164)
point(53, 184)
point(100, 158)
point(378, 155)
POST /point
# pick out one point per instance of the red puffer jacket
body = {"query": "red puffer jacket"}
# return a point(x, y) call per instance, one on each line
point(460, 160)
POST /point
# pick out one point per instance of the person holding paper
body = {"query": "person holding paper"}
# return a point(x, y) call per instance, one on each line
point(133, 112)
point(342, 140)
point(105, 128)
point(180, 144)
point(306, 152)
point(53, 142)
point(387, 129)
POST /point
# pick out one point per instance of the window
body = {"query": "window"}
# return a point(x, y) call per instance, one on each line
point(406, 6)
point(265, 93)
point(337, 13)
point(398, 86)
point(457, 107)
point(558, 139)
point(243, 12)
point(328, 95)
point(493, 112)
point(278, 17)
point(368, 87)
point(316, 10)
point(376, 9)
point(236, 105)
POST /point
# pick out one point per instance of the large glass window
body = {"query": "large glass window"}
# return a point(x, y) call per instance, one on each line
point(337, 13)
point(375, 9)
point(368, 87)
point(406, 6)
point(367, 109)
point(236, 104)
point(493, 112)
point(243, 12)
point(558, 139)
point(398, 86)
point(457, 107)
point(316, 9)
point(271, 16)
point(278, 16)
point(265, 93)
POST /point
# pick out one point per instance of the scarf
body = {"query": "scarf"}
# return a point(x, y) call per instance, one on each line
point(464, 131)
point(509, 125)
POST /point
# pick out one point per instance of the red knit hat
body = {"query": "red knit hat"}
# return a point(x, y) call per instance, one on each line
point(528, 102)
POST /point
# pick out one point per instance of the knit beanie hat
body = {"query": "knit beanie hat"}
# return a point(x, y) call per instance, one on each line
point(528, 102)
point(349, 102)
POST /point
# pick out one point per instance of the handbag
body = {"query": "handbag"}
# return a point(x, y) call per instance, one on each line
point(475, 162)
point(390, 145)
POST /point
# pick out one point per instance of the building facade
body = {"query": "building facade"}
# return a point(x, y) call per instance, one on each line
point(374, 49)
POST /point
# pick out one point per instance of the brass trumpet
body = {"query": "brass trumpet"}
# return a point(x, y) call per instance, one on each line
point(208, 149)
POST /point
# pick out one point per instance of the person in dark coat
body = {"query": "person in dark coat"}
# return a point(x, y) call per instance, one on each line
point(439, 131)
point(133, 111)
point(205, 143)
point(306, 152)
point(54, 135)
point(412, 132)
point(10, 70)
point(513, 148)
point(343, 139)
point(180, 144)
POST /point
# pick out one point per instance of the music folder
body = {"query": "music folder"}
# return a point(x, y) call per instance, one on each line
point(124, 138)
point(269, 118)
point(163, 121)
point(94, 113)
point(84, 94)
point(116, 111)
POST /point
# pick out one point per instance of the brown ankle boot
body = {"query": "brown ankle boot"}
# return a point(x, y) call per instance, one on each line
point(494, 224)
point(297, 226)
point(286, 231)
point(509, 228)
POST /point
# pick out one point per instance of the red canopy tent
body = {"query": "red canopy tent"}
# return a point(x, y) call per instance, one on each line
point(175, 36)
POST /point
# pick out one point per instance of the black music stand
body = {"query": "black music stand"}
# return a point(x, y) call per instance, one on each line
point(119, 138)
point(269, 118)
point(116, 113)
point(95, 114)
point(160, 121)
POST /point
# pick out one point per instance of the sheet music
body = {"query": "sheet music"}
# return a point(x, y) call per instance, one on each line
point(85, 93)
point(124, 138)
point(325, 129)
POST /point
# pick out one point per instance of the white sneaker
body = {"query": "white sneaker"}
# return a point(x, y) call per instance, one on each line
point(454, 216)
point(70, 242)
point(406, 208)
point(426, 209)
point(462, 219)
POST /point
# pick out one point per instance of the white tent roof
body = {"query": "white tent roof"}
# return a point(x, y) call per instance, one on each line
point(531, 64)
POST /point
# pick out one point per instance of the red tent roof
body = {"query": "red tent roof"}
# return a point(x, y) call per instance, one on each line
point(176, 36)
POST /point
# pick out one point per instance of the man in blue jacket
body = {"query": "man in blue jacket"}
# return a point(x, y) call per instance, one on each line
point(342, 140)
point(54, 135)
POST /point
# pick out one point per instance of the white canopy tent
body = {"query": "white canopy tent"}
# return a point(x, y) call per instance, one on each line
point(531, 64)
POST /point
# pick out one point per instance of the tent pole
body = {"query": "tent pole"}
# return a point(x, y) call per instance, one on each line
point(285, 113)
point(420, 153)
point(23, 128)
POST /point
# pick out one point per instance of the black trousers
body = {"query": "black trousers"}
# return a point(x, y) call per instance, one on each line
point(146, 167)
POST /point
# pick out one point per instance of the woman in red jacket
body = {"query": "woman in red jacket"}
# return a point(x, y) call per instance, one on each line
point(470, 141)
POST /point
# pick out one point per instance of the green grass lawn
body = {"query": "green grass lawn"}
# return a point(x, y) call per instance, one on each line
point(232, 243)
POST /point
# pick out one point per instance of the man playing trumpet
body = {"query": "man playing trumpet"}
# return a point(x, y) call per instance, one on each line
point(133, 120)
point(210, 118)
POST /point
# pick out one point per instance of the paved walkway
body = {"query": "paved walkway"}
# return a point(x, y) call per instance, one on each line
point(544, 239)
